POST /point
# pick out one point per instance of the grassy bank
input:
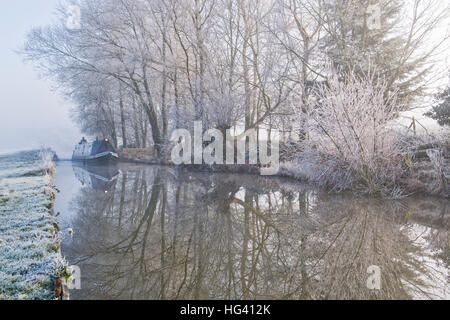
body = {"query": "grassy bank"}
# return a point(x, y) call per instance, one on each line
point(30, 258)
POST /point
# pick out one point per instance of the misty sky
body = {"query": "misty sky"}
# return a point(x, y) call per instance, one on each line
point(31, 114)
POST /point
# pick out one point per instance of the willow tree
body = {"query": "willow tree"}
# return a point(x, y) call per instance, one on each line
point(112, 42)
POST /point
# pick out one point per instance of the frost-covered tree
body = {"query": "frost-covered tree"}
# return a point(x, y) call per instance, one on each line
point(137, 69)
point(113, 42)
point(350, 141)
point(391, 36)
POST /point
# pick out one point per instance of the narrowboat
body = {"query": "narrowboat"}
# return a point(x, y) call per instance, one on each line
point(98, 151)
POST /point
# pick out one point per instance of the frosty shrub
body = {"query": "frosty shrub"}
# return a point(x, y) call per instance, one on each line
point(47, 156)
point(350, 142)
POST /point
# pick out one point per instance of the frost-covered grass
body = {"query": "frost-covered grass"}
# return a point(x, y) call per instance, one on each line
point(30, 258)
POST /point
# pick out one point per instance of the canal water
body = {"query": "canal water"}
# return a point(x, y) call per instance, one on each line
point(148, 232)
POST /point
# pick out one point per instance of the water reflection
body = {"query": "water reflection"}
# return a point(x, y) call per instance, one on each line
point(96, 177)
point(163, 234)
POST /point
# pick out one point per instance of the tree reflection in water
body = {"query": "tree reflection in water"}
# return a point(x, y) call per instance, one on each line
point(159, 233)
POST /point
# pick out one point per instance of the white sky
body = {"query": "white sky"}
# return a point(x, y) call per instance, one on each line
point(31, 114)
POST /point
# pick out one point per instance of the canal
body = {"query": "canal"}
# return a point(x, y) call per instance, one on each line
point(149, 232)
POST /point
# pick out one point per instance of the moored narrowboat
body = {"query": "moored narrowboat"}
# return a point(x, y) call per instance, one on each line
point(98, 151)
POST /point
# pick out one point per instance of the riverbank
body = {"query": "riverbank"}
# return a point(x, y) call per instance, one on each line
point(425, 171)
point(30, 256)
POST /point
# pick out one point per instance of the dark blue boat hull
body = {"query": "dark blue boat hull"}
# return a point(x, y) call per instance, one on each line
point(108, 158)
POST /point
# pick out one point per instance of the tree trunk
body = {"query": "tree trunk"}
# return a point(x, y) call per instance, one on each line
point(122, 118)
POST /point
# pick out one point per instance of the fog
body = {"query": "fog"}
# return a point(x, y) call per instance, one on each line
point(31, 113)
